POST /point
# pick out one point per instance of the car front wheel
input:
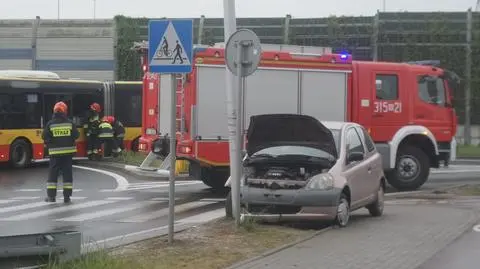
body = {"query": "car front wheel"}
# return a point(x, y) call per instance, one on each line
point(343, 211)
point(376, 208)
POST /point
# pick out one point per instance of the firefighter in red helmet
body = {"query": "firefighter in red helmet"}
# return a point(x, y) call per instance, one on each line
point(118, 135)
point(91, 130)
point(59, 135)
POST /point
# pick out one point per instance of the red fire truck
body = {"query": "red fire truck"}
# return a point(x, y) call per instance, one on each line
point(406, 107)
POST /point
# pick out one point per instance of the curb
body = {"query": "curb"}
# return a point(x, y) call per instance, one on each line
point(278, 249)
point(438, 193)
point(121, 167)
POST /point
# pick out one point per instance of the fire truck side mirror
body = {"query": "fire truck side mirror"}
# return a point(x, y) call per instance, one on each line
point(378, 84)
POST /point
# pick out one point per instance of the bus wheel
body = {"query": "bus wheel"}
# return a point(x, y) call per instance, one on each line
point(411, 169)
point(20, 154)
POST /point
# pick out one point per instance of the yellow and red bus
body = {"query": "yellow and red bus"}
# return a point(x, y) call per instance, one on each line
point(27, 99)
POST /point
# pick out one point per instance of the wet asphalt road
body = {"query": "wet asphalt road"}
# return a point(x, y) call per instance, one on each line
point(99, 210)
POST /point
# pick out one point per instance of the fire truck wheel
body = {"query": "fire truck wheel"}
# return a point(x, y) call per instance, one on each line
point(411, 170)
point(215, 178)
point(20, 153)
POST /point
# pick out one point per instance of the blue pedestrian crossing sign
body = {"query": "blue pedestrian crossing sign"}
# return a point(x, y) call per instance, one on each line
point(170, 46)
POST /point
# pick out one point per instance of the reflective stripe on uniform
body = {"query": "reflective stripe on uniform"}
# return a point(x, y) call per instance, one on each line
point(51, 185)
point(59, 125)
point(61, 129)
point(62, 150)
point(67, 186)
point(105, 135)
point(89, 152)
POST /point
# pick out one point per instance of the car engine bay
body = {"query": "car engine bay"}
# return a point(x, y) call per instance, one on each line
point(281, 176)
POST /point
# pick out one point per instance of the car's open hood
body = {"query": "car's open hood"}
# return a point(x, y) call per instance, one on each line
point(288, 129)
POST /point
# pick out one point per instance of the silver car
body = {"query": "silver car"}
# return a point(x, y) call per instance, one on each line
point(298, 168)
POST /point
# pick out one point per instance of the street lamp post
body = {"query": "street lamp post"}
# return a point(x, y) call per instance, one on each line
point(94, 9)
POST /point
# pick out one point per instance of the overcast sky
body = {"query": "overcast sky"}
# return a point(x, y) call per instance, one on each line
point(84, 9)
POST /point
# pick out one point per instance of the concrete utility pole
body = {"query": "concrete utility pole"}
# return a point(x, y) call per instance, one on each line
point(230, 26)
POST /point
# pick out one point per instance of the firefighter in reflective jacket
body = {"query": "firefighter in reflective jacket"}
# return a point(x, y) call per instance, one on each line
point(59, 135)
point(91, 130)
point(118, 135)
point(105, 134)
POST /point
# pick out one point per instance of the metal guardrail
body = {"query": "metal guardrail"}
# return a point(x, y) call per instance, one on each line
point(64, 246)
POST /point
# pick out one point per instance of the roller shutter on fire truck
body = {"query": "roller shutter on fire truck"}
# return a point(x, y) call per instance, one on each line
point(319, 93)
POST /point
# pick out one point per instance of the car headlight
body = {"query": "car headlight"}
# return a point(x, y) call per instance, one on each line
point(321, 182)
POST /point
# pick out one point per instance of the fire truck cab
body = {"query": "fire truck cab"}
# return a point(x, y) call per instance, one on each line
point(406, 108)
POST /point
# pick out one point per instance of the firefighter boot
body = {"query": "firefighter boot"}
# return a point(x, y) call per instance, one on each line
point(51, 193)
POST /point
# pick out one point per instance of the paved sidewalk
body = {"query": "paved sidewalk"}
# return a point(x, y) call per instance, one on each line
point(404, 238)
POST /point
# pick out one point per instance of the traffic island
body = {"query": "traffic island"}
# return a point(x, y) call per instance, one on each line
point(217, 244)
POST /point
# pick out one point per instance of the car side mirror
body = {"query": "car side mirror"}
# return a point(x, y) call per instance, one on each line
point(354, 157)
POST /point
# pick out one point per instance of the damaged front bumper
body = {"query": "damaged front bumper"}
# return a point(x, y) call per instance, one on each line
point(306, 204)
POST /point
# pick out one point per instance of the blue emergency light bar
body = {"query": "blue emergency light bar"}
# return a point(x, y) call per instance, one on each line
point(435, 63)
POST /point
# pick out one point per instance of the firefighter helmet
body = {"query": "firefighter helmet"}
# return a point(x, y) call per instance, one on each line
point(109, 119)
point(96, 107)
point(60, 107)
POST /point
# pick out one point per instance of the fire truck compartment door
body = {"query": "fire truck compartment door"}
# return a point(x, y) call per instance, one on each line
point(269, 91)
point(324, 95)
point(211, 99)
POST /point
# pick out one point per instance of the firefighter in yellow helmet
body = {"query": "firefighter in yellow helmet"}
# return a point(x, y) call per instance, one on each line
point(59, 135)
point(106, 135)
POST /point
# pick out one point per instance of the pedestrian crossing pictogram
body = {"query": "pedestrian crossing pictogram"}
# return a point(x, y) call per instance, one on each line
point(170, 50)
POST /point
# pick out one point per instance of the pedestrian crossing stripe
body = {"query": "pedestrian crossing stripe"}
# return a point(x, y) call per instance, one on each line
point(122, 209)
point(170, 50)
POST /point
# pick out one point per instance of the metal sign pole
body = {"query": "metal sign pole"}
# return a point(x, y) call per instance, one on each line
point(173, 136)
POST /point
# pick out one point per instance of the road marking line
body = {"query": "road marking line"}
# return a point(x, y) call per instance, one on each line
point(25, 198)
point(120, 198)
point(164, 182)
point(203, 217)
point(38, 190)
point(57, 209)
point(122, 182)
point(163, 199)
point(2, 202)
point(213, 199)
point(164, 211)
point(108, 212)
point(22, 207)
point(455, 171)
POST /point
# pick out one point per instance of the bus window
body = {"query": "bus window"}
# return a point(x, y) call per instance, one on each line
point(80, 105)
point(128, 104)
point(20, 111)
